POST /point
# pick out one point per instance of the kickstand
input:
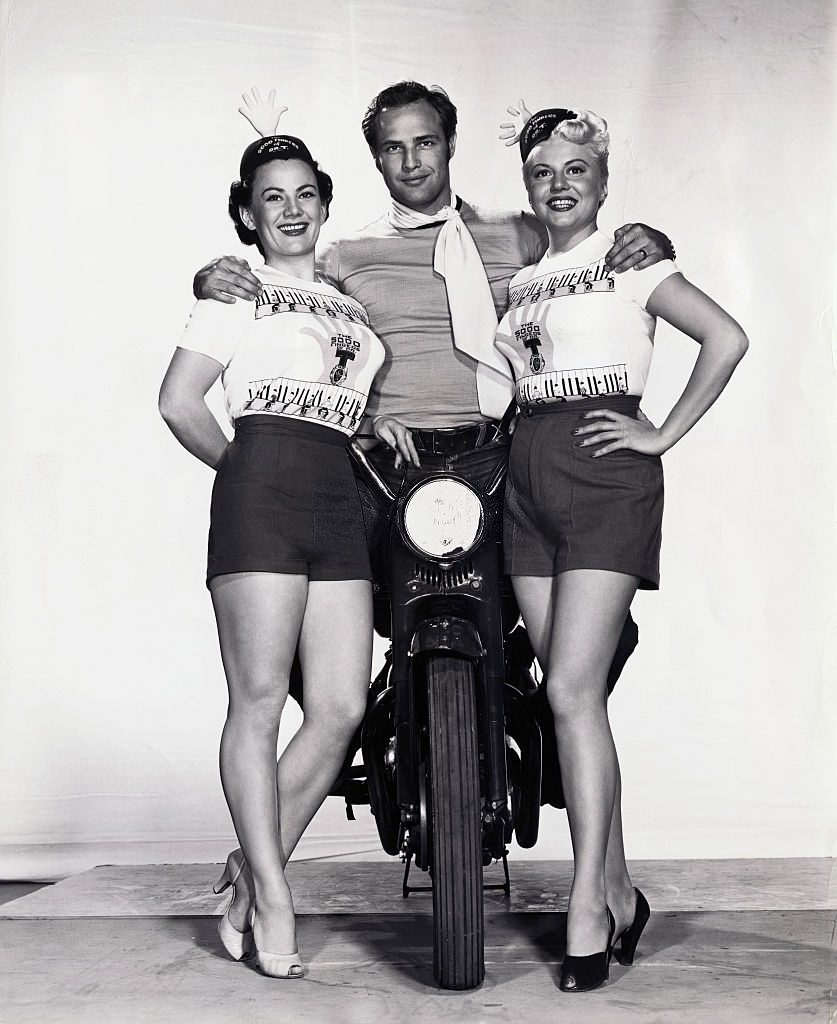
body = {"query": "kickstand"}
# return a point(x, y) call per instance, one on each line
point(505, 886)
point(407, 889)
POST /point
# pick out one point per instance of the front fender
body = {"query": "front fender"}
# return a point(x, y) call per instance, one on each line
point(447, 633)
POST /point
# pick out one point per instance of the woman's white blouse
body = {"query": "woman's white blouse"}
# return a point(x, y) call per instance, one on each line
point(575, 329)
point(302, 350)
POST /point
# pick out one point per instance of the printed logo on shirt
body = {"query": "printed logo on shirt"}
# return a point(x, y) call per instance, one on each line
point(529, 336)
point(564, 385)
point(275, 299)
point(573, 281)
point(342, 407)
point(346, 347)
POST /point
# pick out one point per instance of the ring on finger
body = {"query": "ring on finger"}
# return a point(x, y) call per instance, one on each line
point(644, 254)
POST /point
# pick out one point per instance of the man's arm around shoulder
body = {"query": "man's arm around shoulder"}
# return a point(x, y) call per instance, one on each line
point(225, 279)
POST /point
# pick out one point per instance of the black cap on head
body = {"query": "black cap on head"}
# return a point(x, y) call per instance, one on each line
point(540, 126)
point(274, 147)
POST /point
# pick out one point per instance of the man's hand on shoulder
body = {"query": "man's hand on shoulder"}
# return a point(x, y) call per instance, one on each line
point(395, 435)
point(636, 246)
point(226, 279)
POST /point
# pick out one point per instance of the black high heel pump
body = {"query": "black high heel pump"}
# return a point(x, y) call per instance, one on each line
point(630, 936)
point(584, 973)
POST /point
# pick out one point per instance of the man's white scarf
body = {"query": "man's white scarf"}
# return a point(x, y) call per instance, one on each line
point(472, 312)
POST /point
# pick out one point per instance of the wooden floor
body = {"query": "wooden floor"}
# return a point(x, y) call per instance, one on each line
point(729, 941)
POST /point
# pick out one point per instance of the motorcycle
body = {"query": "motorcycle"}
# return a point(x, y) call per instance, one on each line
point(451, 745)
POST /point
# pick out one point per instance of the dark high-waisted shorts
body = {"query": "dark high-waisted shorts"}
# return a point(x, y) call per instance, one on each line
point(567, 510)
point(285, 501)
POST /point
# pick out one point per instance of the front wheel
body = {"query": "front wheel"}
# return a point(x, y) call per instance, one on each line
point(458, 958)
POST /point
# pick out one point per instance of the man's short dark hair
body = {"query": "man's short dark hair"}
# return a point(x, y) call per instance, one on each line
point(400, 95)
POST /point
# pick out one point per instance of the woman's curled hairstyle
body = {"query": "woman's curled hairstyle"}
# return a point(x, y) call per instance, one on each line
point(587, 129)
point(241, 194)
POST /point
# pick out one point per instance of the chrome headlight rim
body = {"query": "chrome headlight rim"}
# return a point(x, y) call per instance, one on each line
point(445, 560)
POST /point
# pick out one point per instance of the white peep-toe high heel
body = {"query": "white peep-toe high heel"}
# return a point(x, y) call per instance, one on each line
point(286, 966)
point(238, 944)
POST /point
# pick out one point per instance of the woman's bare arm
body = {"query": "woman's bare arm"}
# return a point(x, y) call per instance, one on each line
point(722, 346)
point(183, 406)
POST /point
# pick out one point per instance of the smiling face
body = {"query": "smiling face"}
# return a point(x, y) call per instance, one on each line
point(413, 156)
point(285, 212)
point(566, 189)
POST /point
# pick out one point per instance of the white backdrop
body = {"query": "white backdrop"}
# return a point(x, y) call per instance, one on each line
point(119, 139)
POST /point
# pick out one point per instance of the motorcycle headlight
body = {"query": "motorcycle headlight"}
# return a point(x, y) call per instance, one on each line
point(443, 518)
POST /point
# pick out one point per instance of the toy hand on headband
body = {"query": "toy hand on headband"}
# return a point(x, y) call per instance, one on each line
point(263, 115)
point(510, 130)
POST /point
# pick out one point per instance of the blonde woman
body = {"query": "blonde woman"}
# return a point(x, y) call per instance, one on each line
point(584, 497)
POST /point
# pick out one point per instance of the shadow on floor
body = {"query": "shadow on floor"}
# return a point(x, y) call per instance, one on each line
point(14, 890)
point(401, 941)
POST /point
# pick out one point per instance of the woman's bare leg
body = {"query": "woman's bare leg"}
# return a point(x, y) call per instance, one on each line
point(574, 621)
point(335, 649)
point(259, 616)
point(336, 653)
point(619, 889)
